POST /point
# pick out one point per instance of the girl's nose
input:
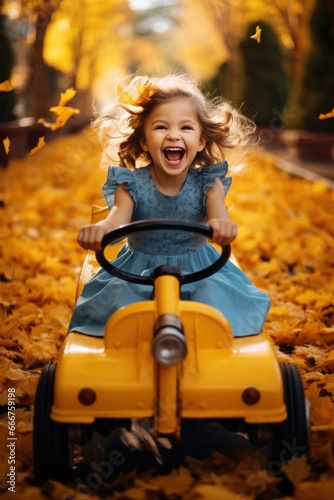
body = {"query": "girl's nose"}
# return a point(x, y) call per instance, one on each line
point(173, 134)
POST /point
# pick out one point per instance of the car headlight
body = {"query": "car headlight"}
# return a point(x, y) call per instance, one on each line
point(169, 344)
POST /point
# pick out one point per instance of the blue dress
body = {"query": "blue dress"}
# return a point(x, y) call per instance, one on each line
point(228, 290)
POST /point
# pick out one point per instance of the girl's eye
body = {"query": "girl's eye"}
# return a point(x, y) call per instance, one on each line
point(160, 127)
point(187, 127)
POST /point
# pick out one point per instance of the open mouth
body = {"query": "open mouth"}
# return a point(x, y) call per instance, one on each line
point(174, 155)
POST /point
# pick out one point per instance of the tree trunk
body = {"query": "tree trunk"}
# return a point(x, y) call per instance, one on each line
point(39, 86)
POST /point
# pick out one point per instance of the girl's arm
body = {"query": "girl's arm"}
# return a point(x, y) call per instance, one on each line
point(90, 236)
point(223, 229)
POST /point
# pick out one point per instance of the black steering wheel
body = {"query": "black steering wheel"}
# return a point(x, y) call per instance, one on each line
point(153, 225)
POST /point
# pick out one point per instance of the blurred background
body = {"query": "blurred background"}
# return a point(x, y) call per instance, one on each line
point(283, 82)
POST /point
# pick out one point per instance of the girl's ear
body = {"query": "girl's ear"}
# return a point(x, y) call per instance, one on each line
point(143, 144)
point(202, 142)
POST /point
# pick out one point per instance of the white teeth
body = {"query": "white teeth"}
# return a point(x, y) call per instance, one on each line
point(174, 155)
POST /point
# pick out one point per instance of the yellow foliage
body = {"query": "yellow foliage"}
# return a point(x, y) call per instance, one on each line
point(82, 36)
point(214, 492)
point(297, 470)
point(311, 490)
point(285, 245)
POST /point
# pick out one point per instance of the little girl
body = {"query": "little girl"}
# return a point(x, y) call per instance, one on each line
point(171, 142)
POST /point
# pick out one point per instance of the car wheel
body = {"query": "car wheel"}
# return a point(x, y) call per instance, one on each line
point(290, 438)
point(53, 450)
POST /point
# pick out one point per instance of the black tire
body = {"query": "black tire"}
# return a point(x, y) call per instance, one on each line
point(291, 438)
point(53, 451)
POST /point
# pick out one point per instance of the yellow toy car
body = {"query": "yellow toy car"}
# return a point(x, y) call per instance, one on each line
point(168, 360)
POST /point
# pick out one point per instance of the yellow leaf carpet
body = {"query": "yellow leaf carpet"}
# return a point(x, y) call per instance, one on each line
point(285, 245)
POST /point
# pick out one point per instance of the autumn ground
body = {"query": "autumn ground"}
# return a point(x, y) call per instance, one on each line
point(285, 245)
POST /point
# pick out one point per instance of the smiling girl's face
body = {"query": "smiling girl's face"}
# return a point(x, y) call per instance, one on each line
point(173, 136)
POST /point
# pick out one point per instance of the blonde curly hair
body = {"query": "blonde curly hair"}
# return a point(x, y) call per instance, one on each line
point(120, 124)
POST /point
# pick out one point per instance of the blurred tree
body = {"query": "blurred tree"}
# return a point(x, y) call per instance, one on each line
point(87, 38)
point(83, 29)
point(315, 93)
point(264, 76)
point(291, 19)
point(83, 33)
point(39, 13)
point(196, 46)
point(227, 18)
point(230, 17)
point(218, 84)
point(151, 50)
point(7, 60)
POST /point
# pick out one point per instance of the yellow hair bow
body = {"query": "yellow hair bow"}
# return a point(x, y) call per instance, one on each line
point(144, 93)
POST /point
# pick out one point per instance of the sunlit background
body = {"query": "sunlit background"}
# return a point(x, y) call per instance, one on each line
point(284, 81)
point(89, 44)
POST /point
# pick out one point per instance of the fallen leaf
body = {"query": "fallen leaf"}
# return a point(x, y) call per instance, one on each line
point(135, 493)
point(311, 490)
point(297, 470)
point(211, 492)
point(182, 481)
point(38, 353)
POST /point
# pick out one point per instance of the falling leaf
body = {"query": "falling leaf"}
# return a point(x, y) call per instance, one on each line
point(325, 116)
point(6, 86)
point(66, 96)
point(51, 126)
point(63, 113)
point(257, 35)
point(6, 144)
point(40, 144)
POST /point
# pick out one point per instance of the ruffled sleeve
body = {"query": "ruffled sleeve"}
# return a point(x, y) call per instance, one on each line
point(115, 177)
point(211, 172)
point(217, 170)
